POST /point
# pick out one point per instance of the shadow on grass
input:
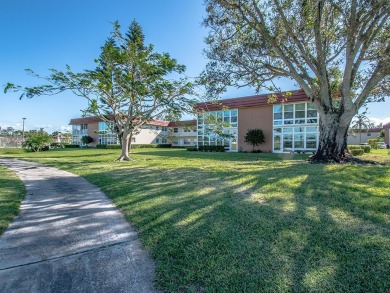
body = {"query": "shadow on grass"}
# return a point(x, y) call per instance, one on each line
point(279, 229)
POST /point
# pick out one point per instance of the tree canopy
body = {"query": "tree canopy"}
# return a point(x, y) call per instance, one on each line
point(131, 84)
point(336, 50)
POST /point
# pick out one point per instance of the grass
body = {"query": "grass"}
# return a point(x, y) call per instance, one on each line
point(248, 222)
point(12, 192)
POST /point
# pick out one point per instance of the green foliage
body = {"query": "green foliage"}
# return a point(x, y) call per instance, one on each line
point(86, 139)
point(336, 51)
point(373, 143)
point(382, 134)
point(366, 148)
point(211, 148)
point(357, 152)
point(254, 137)
point(12, 192)
point(192, 149)
point(38, 140)
point(72, 146)
point(131, 84)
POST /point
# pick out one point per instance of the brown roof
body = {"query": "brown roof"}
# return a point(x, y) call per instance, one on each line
point(250, 101)
point(182, 123)
point(377, 129)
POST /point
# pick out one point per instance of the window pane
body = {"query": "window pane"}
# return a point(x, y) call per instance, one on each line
point(311, 113)
point(310, 106)
point(300, 121)
point(234, 119)
point(311, 129)
point(288, 108)
point(300, 114)
point(311, 136)
point(299, 129)
point(311, 121)
point(311, 144)
point(288, 115)
point(298, 137)
point(298, 144)
point(299, 107)
point(278, 109)
point(287, 144)
point(277, 115)
point(287, 129)
point(278, 122)
point(287, 136)
point(288, 121)
point(278, 130)
point(234, 113)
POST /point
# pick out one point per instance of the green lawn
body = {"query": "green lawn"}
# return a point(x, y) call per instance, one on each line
point(248, 222)
point(11, 195)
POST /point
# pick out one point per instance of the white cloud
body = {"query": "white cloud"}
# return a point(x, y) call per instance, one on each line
point(377, 120)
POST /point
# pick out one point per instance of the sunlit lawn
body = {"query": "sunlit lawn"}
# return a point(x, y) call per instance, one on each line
point(224, 222)
point(11, 194)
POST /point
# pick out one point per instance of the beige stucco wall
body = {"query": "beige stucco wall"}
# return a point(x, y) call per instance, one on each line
point(255, 117)
point(387, 135)
point(92, 129)
point(354, 138)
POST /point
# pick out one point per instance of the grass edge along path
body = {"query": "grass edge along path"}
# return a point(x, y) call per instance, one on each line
point(248, 222)
point(12, 192)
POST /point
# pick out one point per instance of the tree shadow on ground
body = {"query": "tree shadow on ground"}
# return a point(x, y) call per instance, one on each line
point(272, 229)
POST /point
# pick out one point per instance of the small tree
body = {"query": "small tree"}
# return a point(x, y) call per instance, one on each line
point(86, 139)
point(254, 137)
point(37, 140)
point(130, 85)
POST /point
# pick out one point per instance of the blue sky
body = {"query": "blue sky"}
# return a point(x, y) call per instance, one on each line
point(47, 34)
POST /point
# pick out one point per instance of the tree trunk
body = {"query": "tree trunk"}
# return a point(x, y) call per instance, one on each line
point(126, 138)
point(333, 139)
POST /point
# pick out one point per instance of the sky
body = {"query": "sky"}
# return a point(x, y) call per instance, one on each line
point(44, 34)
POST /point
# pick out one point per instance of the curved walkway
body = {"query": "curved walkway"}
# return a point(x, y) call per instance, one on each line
point(69, 237)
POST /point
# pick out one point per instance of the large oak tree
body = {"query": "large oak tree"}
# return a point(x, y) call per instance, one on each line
point(130, 85)
point(336, 50)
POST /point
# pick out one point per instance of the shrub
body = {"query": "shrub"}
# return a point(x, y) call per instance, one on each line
point(211, 148)
point(373, 143)
point(72, 146)
point(357, 152)
point(86, 139)
point(366, 149)
point(192, 149)
point(37, 140)
point(254, 137)
point(354, 147)
point(57, 145)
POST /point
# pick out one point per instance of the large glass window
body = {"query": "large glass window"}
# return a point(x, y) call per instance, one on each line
point(295, 127)
point(207, 131)
point(107, 134)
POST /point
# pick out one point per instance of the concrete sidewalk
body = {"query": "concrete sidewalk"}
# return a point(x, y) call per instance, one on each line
point(69, 237)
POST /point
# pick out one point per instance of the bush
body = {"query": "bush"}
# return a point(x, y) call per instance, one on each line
point(57, 145)
point(168, 145)
point(256, 151)
point(354, 147)
point(366, 149)
point(192, 149)
point(373, 143)
point(86, 139)
point(72, 146)
point(211, 148)
point(357, 152)
point(254, 137)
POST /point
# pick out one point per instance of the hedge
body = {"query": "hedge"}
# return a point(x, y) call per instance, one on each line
point(133, 146)
point(211, 148)
point(71, 146)
point(357, 152)
point(365, 148)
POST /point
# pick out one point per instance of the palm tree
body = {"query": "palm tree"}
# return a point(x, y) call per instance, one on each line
point(361, 122)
